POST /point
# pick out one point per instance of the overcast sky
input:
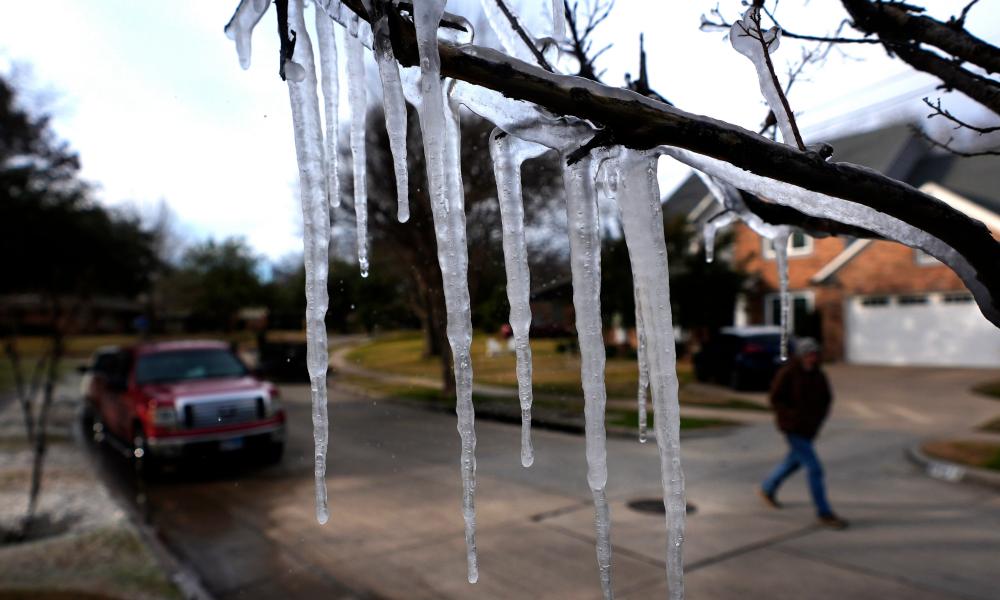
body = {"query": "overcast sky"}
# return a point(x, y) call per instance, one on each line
point(153, 98)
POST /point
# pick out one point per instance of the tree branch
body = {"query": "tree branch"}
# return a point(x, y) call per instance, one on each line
point(521, 33)
point(638, 122)
point(938, 111)
point(897, 23)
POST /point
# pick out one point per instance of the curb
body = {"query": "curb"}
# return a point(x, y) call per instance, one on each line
point(951, 472)
point(182, 576)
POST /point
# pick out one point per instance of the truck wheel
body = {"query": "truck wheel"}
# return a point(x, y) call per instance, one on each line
point(273, 453)
point(145, 465)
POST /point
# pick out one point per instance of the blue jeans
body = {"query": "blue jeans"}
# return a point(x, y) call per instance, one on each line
point(801, 453)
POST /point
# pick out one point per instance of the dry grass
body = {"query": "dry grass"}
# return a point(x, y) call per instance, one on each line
point(985, 455)
point(554, 372)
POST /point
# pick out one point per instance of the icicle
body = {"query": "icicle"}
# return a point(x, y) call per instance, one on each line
point(558, 21)
point(511, 41)
point(430, 108)
point(585, 260)
point(640, 332)
point(508, 153)
point(746, 40)
point(711, 227)
point(316, 239)
point(331, 100)
point(393, 103)
point(358, 99)
point(780, 245)
point(642, 222)
point(240, 27)
point(441, 135)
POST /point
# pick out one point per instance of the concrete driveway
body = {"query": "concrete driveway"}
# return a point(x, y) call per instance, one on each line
point(396, 530)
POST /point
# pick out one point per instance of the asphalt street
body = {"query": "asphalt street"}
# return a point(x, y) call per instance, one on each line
point(395, 529)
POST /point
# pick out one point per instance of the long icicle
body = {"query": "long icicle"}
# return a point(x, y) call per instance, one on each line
point(643, 388)
point(316, 239)
point(508, 153)
point(330, 79)
point(780, 245)
point(585, 260)
point(358, 100)
point(441, 135)
point(642, 222)
point(393, 103)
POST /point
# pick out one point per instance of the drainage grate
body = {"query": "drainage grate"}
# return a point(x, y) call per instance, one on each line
point(654, 506)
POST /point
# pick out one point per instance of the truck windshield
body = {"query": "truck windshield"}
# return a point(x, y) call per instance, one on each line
point(183, 365)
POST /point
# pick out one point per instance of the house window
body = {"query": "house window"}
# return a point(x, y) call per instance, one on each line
point(912, 299)
point(875, 301)
point(799, 244)
point(923, 259)
point(800, 313)
point(958, 298)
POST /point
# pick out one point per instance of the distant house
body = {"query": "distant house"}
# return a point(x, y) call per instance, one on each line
point(873, 301)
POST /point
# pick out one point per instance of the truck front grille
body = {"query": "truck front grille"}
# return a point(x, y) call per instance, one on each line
point(228, 411)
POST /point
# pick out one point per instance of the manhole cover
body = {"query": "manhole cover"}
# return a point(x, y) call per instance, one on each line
point(654, 506)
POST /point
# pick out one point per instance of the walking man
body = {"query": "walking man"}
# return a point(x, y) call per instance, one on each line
point(801, 397)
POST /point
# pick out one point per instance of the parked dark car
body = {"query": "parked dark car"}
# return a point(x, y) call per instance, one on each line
point(175, 399)
point(743, 358)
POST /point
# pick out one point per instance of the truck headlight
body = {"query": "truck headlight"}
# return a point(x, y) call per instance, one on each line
point(165, 417)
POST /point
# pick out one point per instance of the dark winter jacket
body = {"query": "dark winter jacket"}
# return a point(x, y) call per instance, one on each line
point(801, 399)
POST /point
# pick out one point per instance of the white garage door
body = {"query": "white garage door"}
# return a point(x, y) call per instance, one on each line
point(920, 329)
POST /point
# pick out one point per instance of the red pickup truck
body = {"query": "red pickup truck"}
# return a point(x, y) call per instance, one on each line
point(172, 399)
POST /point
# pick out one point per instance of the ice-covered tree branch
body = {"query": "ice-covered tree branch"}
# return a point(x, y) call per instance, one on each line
point(634, 121)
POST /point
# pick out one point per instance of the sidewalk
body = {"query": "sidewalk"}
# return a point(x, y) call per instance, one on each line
point(83, 543)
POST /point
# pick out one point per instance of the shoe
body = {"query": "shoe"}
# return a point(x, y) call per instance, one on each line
point(832, 521)
point(768, 499)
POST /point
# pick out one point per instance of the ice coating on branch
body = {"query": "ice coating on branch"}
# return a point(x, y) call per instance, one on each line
point(430, 109)
point(358, 99)
point(829, 207)
point(330, 79)
point(316, 239)
point(585, 262)
point(735, 208)
point(558, 21)
point(442, 140)
point(748, 38)
point(642, 222)
point(513, 43)
point(508, 153)
point(393, 103)
point(780, 245)
point(240, 27)
point(712, 227)
point(346, 18)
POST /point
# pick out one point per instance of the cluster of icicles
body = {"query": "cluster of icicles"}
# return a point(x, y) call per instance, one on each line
point(523, 132)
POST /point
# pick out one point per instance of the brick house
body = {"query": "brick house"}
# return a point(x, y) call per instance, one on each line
point(873, 301)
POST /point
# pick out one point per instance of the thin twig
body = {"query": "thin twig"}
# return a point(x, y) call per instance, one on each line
point(755, 18)
point(521, 33)
point(947, 146)
point(940, 112)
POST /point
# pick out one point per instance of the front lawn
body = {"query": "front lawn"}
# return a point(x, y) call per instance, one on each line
point(554, 372)
point(984, 455)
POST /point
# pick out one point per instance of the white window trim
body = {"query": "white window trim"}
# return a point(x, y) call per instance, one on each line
point(768, 252)
point(809, 295)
